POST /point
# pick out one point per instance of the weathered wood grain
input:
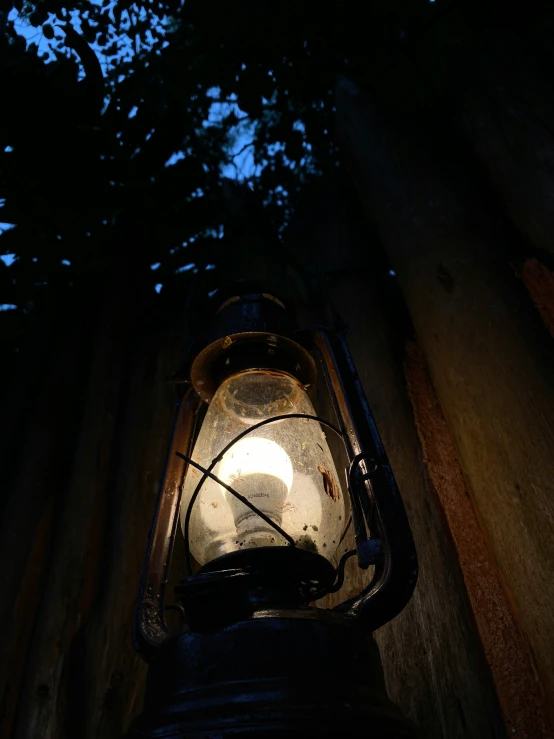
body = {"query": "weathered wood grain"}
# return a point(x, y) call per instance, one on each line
point(144, 430)
point(432, 656)
point(519, 690)
point(490, 359)
point(80, 515)
point(43, 412)
point(52, 681)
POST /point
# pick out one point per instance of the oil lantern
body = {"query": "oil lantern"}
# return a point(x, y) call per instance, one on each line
point(266, 489)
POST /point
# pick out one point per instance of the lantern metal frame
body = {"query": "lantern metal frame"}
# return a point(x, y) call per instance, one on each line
point(382, 532)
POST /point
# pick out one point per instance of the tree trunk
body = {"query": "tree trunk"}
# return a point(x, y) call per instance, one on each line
point(489, 357)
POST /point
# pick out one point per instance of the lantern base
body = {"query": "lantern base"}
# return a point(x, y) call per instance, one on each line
point(232, 587)
point(306, 673)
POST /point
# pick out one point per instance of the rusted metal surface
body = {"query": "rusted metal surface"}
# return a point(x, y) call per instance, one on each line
point(251, 329)
point(520, 693)
point(150, 626)
point(329, 484)
point(375, 499)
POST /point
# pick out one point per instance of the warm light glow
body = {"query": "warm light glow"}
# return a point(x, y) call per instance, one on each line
point(256, 456)
point(261, 471)
point(284, 469)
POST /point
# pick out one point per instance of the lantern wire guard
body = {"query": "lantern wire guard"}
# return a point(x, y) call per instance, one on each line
point(316, 592)
point(207, 472)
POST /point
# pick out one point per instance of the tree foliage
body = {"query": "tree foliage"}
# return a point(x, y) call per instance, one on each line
point(123, 120)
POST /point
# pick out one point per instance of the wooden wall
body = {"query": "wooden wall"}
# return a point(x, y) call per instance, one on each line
point(433, 658)
point(83, 477)
point(84, 472)
point(480, 378)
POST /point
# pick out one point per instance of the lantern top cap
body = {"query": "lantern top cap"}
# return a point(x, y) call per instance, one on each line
point(252, 329)
point(249, 289)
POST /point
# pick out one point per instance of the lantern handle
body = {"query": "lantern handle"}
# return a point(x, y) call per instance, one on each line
point(375, 498)
point(150, 629)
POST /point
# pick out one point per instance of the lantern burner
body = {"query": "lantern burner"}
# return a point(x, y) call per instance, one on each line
point(239, 584)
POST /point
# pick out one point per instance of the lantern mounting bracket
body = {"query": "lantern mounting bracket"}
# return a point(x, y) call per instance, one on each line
point(375, 499)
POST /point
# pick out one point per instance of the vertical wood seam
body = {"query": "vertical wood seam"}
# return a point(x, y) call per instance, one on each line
point(519, 690)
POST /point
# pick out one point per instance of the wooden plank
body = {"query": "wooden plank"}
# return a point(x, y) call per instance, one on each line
point(505, 647)
point(39, 465)
point(23, 377)
point(73, 571)
point(503, 105)
point(489, 357)
point(432, 657)
point(82, 677)
point(146, 425)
